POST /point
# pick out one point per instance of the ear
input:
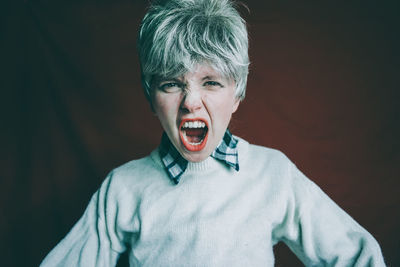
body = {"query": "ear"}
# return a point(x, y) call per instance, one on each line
point(235, 104)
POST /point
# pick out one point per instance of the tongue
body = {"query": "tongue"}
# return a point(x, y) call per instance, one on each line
point(194, 135)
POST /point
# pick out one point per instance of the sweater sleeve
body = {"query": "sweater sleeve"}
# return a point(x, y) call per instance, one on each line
point(320, 233)
point(95, 239)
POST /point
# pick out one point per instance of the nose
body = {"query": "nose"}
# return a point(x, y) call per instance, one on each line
point(191, 101)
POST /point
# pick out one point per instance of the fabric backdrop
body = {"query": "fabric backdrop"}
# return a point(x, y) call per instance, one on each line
point(323, 88)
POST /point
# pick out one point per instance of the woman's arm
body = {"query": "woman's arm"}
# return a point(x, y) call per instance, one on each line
point(320, 233)
point(95, 239)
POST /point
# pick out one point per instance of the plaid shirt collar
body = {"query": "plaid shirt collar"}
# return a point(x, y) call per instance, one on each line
point(176, 165)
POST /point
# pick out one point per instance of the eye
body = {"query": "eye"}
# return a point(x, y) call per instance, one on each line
point(170, 87)
point(213, 84)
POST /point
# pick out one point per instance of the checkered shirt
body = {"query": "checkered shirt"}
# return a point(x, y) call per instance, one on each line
point(176, 165)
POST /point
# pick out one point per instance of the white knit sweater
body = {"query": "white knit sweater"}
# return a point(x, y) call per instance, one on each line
point(215, 216)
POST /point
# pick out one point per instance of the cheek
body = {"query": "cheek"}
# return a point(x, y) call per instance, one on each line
point(220, 108)
point(225, 101)
point(165, 106)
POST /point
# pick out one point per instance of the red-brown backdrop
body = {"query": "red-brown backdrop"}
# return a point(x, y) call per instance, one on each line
point(323, 88)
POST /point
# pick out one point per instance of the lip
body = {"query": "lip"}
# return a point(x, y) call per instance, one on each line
point(186, 144)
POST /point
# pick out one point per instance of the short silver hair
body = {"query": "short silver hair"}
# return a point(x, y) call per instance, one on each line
point(176, 35)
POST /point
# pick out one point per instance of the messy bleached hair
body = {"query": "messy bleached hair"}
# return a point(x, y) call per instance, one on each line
point(176, 35)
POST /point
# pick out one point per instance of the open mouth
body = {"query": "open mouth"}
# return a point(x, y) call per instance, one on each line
point(193, 134)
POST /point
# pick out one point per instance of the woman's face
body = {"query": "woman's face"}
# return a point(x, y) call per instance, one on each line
point(195, 110)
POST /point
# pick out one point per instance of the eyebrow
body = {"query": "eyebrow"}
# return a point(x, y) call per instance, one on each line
point(210, 77)
point(169, 79)
point(179, 79)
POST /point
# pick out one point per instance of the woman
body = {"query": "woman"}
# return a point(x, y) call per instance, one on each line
point(206, 197)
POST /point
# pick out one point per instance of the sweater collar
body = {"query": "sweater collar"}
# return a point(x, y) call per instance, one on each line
point(175, 165)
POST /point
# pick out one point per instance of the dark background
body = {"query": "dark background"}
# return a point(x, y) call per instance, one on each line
point(323, 88)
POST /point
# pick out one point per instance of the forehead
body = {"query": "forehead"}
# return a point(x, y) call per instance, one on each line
point(203, 69)
point(203, 72)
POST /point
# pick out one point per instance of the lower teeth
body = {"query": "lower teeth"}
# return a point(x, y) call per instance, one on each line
point(195, 144)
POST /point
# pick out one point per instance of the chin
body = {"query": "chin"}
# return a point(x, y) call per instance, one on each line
point(195, 157)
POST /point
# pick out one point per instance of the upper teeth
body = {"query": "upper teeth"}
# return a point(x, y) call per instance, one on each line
point(194, 124)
